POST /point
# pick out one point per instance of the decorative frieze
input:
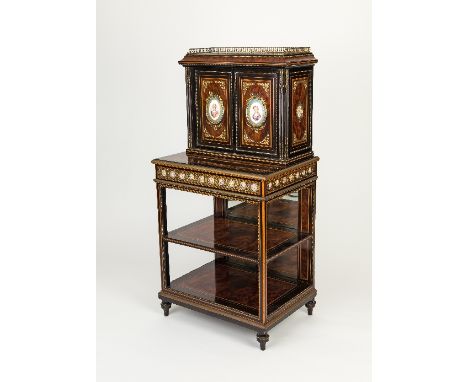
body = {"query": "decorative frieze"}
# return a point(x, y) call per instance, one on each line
point(288, 178)
point(216, 181)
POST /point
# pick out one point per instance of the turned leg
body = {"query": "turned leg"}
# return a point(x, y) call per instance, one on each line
point(310, 307)
point(166, 306)
point(263, 339)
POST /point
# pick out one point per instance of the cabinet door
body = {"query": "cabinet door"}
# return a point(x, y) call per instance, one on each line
point(213, 95)
point(257, 114)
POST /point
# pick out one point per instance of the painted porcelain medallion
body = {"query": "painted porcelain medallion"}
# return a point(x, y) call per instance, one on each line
point(256, 112)
point(214, 109)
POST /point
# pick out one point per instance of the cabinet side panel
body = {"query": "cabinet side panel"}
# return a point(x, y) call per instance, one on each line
point(300, 112)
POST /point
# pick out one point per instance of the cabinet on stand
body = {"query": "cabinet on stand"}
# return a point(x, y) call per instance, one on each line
point(249, 149)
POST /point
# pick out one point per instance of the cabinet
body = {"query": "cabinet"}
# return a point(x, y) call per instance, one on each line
point(258, 240)
point(250, 103)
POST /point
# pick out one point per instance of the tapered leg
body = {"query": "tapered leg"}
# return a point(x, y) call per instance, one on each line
point(310, 307)
point(163, 246)
point(263, 339)
point(166, 306)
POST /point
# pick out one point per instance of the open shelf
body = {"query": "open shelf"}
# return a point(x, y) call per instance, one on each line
point(235, 286)
point(234, 237)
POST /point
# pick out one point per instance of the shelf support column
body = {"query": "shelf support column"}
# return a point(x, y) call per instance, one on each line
point(262, 257)
point(220, 207)
point(163, 246)
point(306, 224)
point(311, 272)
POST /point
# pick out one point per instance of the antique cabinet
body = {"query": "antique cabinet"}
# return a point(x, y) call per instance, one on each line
point(255, 246)
point(250, 103)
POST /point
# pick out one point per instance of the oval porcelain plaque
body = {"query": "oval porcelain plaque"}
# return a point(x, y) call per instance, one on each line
point(256, 112)
point(214, 109)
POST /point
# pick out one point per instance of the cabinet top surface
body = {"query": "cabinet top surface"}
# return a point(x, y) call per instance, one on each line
point(250, 51)
point(249, 56)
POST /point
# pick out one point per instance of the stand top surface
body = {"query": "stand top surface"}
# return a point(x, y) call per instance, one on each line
point(244, 169)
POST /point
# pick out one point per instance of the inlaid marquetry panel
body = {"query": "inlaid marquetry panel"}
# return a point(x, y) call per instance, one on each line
point(214, 109)
point(299, 111)
point(256, 112)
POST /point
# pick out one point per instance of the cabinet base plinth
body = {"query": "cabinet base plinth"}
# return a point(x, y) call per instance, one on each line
point(170, 296)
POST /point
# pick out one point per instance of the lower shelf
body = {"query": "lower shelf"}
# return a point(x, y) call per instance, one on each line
point(235, 286)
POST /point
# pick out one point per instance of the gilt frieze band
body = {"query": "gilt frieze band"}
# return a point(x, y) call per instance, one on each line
point(209, 180)
point(287, 178)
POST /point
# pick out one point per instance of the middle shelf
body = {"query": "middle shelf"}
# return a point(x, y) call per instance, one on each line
point(235, 236)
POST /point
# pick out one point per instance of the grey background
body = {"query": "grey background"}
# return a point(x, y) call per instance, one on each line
point(141, 115)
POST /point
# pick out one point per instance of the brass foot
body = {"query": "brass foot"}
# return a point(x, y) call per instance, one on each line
point(166, 306)
point(310, 307)
point(263, 339)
